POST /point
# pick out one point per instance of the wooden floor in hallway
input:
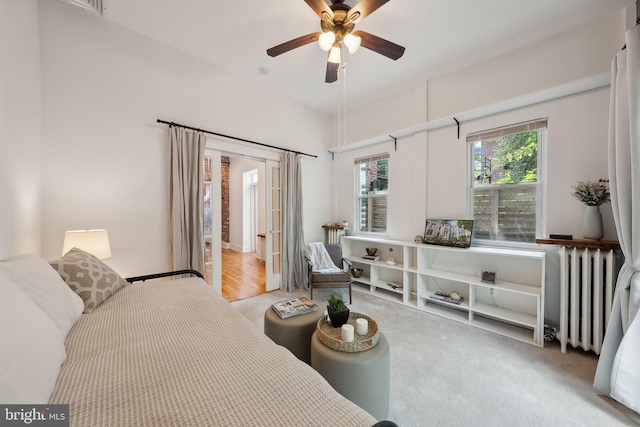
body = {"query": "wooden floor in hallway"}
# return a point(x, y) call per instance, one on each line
point(243, 275)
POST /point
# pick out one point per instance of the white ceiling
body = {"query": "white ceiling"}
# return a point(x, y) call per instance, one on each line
point(439, 36)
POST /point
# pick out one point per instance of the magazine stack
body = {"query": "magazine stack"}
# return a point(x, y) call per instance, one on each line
point(294, 307)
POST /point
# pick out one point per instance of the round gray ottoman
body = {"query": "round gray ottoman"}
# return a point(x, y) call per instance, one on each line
point(362, 377)
point(294, 333)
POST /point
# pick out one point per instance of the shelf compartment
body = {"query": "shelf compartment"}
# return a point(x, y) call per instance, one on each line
point(410, 283)
point(379, 292)
point(380, 263)
point(474, 280)
point(440, 308)
point(361, 287)
point(383, 285)
point(429, 285)
point(410, 259)
point(511, 266)
point(464, 305)
point(362, 280)
point(506, 329)
point(443, 309)
point(505, 314)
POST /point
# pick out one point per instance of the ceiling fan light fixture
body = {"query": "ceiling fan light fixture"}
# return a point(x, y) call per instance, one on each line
point(352, 42)
point(334, 53)
point(326, 40)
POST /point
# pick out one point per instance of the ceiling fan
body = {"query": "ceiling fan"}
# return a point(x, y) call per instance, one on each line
point(337, 22)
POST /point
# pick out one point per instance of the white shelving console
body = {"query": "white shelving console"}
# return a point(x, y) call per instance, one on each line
point(512, 306)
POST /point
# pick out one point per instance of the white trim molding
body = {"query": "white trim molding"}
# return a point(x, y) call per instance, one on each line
point(555, 92)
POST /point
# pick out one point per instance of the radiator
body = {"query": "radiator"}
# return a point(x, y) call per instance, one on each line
point(587, 282)
point(333, 235)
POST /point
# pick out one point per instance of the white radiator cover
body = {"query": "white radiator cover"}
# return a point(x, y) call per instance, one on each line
point(587, 283)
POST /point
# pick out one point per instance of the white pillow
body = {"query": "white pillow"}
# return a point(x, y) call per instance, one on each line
point(35, 277)
point(32, 348)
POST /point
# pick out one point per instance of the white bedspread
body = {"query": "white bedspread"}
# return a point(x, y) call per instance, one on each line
point(173, 353)
point(319, 259)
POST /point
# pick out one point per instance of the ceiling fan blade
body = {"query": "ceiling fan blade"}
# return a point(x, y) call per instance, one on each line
point(362, 9)
point(321, 9)
point(292, 44)
point(332, 72)
point(380, 45)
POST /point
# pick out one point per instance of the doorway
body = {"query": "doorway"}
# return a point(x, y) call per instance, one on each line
point(229, 232)
point(243, 269)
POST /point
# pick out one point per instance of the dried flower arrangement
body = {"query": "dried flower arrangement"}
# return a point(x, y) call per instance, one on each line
point(592, 193)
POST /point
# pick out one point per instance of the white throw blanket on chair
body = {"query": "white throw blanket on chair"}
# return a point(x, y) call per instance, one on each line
point(319, 259)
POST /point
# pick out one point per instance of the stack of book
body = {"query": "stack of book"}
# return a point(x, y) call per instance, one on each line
point(371, 257)
point(294, 307)
point(443, 296)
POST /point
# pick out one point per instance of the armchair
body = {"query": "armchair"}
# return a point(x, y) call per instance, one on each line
point(318, 279)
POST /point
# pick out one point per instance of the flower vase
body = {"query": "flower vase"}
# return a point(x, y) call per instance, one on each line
point(592, 223)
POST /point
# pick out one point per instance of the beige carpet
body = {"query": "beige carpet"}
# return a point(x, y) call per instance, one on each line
point(444, 373)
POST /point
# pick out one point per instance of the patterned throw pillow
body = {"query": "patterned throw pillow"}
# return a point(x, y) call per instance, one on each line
point(89, 277)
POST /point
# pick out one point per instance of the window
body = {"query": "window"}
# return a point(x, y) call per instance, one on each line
point(372, 191)
point(505, 192)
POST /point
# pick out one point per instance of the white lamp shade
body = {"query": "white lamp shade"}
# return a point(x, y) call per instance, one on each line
point(352, 42)
point(326, 40)
point(334, 54)
point(96, 242)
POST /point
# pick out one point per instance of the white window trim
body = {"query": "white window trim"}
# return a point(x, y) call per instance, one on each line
point(356, 182)
point(541, 196)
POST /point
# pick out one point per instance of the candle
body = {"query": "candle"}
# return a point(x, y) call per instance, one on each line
point(347, 333)
point(362, 326)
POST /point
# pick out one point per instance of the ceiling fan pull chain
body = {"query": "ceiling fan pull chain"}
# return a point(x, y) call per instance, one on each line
point(339, 128)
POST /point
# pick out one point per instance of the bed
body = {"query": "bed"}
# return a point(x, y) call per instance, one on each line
point(168, 353)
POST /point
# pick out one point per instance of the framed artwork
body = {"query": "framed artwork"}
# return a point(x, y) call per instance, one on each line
point(448, 232)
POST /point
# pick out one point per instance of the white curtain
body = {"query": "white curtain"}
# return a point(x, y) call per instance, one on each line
point(293, 275)
point(618, 373)
point(186, 199)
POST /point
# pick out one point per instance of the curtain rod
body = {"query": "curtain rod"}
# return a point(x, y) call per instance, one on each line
point(233, 137)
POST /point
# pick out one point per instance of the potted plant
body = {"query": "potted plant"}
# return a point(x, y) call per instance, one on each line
point(592, 194)
point(338, 311)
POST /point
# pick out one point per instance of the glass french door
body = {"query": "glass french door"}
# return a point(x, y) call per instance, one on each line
point(213, 220)
point(274, 225)
point(208, 219)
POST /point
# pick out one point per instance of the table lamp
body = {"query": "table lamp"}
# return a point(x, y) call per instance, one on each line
point(96, 242)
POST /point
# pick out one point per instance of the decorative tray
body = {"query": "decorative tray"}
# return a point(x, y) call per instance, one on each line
point(332, 337)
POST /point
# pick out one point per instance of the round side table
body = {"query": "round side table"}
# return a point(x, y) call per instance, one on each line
point(294, 332)
point(363, 377)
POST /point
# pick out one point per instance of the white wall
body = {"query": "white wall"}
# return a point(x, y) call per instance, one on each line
point(574, 55)
point(583, 52)
point(105, 159)
point(407, 176)
point(239, 200)
point(20, 128)
point(317, 196)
